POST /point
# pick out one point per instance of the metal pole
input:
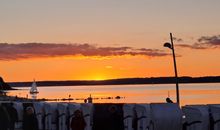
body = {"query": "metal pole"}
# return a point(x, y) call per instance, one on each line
point(175, 69)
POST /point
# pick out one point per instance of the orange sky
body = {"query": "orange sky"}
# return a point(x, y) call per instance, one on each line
point(93, 40)
point(87, 68)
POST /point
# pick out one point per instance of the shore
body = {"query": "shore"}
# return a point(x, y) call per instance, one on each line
point(124, 81)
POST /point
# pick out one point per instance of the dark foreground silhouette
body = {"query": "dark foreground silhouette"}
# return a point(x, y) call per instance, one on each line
point(3, 85)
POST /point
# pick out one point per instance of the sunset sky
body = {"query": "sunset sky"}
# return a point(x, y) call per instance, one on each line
point(100, 39)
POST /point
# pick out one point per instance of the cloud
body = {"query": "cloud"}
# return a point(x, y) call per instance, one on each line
point(204, 42)
point(213, 41)
point(41, 50)
point(178, 39)
point(194, 46)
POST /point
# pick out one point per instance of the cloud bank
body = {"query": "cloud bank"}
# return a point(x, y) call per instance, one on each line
point(42, 50)
point(204, 42)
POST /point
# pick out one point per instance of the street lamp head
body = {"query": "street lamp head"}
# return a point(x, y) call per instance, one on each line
point(167, 44)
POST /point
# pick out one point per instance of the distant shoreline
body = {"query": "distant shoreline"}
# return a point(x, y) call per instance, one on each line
point(124, 81)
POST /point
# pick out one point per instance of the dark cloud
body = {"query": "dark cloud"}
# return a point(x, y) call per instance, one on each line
point(194, 46)
point(177, 39)
point(41, 50)
point(213, 41)
point(204, 42)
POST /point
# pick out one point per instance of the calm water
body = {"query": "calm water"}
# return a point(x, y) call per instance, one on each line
point(189, 93)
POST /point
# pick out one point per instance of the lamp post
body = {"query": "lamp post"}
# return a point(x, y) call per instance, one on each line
point(171, 46)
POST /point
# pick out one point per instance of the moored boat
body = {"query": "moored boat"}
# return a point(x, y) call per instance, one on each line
point(33, 89)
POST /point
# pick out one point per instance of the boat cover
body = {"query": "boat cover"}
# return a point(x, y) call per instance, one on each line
point(128, 113)
point(54, 116)
point(87, 109)
point(62, 115)
point(47, 116)
point(19, 107)
point(166, 116)
point(215, 114)
point(143, 116)
point(197, 117)
point(71, 108)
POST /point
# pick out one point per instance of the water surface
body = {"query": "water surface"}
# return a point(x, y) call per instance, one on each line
point(208, 93)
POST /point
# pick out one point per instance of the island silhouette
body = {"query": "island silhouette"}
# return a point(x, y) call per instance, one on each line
point(122, 81)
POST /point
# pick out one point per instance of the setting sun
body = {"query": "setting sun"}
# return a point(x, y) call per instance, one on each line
point(98, 77)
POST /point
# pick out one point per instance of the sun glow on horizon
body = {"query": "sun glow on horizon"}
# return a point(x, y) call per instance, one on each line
point(98, 78)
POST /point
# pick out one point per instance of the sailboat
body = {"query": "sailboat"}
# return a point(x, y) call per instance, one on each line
point(33, 89)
